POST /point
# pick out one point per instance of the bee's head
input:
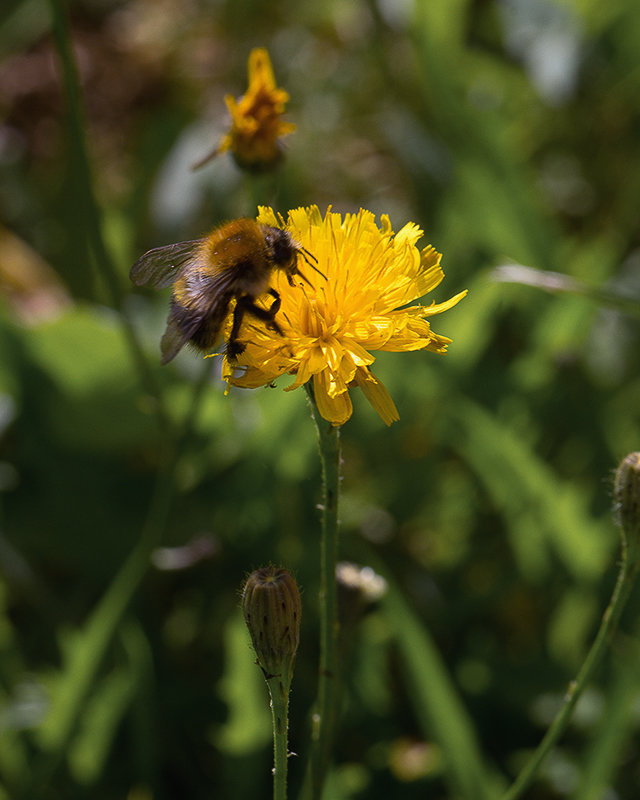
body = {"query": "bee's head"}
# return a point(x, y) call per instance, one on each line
point(284, 250)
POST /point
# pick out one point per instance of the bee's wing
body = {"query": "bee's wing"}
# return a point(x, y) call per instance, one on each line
point(161, 266)
point(173, 340)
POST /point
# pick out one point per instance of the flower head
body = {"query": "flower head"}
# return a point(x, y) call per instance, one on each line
point(257, 126)
point(272, 610)
point(357, 305)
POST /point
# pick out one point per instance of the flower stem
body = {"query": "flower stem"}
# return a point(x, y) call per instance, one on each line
point(325, 713)
point(624, 584)
point(279, 691)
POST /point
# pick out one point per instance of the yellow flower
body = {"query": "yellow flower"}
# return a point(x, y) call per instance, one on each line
point(360, 306)
point(257, 127)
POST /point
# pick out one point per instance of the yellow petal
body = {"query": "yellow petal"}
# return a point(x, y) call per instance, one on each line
point(378, 396)
point(336, 409)
point(260, 69)
point(437, 308)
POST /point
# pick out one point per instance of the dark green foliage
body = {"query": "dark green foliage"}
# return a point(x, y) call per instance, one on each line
point(487, 506)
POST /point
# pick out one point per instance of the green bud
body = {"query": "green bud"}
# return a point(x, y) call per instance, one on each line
point(626, 493)
point(272, 610)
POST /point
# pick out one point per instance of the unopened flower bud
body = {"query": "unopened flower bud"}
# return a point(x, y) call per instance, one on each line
point(626, 494)
point(272, 610)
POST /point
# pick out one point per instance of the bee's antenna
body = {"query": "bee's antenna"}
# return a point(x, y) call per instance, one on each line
point(310, 259)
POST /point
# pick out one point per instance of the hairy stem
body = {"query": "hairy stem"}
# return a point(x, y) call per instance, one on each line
point(325, 713)
point(279, 691)
point(624, 584)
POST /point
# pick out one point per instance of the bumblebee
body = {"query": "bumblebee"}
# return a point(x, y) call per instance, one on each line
point(234, 261)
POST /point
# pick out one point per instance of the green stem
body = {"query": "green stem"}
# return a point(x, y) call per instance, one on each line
point(90, 209)
point(325, 715)
point(279, 692)
point(261, 191)
point(624, 584)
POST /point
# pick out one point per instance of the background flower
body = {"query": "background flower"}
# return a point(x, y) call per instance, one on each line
point(254, 138)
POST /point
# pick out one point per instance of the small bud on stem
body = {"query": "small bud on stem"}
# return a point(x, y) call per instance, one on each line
point(626, 494)
point(272, 609)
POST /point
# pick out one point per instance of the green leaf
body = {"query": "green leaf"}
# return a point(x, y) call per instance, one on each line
point(90, 392)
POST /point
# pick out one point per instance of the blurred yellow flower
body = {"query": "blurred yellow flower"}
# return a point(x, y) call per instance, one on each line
point(360, 305)
point(257, 127)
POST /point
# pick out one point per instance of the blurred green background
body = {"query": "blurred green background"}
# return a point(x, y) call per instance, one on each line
point(510, 131)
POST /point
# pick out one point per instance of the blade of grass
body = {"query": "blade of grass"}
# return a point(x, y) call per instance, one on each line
point(491, 176)
point(556, 283)
point(89, 210)
point(437, 703)
point(90, 645)
point(528, 494)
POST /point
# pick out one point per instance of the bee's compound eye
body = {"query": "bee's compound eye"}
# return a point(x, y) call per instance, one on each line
point(281, 247)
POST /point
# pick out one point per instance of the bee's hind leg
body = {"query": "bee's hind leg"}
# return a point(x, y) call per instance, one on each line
point(266, 315)
point(246, 305)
